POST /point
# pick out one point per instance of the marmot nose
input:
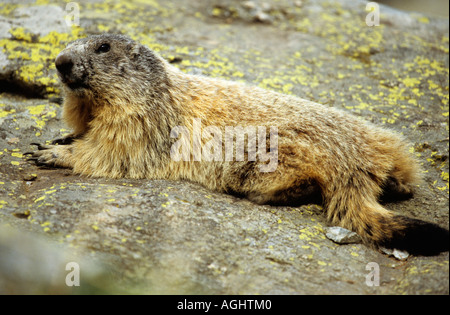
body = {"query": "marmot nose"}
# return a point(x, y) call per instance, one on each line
point(63, 63)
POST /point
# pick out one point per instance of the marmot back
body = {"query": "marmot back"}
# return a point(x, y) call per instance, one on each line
point(136, 116)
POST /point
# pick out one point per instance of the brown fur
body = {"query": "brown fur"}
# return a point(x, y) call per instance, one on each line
point(126, 101)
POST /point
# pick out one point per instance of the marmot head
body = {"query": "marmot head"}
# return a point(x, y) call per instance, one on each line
point(110, 66)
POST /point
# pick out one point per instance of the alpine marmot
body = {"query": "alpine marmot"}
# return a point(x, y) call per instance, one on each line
point(134, 115)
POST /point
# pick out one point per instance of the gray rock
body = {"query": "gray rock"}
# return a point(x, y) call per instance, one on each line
point(4, 28)
point(40, 20)
point(26, 60)
point(342, 236)
point(262, 17)
point(32, 265)
point(398, 254)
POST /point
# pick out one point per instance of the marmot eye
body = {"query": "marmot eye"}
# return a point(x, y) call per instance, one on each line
point(103, 48)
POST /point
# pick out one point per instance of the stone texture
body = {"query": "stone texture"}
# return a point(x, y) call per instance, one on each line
point(342, 236)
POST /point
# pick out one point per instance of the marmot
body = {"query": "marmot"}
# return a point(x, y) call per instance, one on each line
point(124, 102)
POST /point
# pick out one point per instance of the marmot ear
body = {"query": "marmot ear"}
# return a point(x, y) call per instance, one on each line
point(134, 50)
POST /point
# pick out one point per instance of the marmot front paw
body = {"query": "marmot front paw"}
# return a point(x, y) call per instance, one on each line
point(65, 140)
point(51, 155)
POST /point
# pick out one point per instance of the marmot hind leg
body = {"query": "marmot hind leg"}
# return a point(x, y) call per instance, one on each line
point(402, 172)
point(395, 190)
point(299, 193)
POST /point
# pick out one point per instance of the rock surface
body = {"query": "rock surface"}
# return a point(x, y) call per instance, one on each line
point(342, 236)
point(177, 237)
point(399, 254)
